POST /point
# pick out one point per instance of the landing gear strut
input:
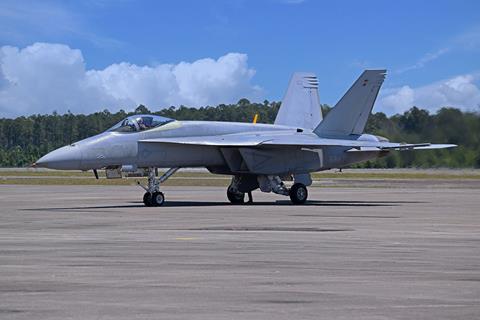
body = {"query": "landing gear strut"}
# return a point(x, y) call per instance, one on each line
point(153, 197)
point(298, 192)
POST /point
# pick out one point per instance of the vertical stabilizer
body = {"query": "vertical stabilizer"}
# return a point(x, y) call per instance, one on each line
point(350, 114)
point(301, 105)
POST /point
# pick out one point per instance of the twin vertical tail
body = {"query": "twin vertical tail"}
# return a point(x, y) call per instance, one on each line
point(301, 105)
point(350, 114)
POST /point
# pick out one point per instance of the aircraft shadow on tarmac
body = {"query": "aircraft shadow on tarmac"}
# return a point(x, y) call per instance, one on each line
point(281, 203)
point(173, 204)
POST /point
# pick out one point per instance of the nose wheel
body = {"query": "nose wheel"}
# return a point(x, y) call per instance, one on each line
point(147, 199)
point(153, 197)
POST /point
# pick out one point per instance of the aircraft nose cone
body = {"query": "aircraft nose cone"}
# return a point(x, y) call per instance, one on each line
point(65, 158)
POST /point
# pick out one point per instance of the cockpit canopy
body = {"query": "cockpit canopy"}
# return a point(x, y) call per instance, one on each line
point(140, 122)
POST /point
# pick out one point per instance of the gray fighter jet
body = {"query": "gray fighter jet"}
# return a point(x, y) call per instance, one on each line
point(260, 156)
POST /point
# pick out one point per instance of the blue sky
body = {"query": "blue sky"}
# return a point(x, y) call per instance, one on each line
point(84, 56)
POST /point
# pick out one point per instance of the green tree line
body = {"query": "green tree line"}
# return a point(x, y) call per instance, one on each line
point(24, 139)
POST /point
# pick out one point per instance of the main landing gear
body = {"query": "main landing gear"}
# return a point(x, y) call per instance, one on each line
point(153, 197)
point(298, 193)
point(235, 197)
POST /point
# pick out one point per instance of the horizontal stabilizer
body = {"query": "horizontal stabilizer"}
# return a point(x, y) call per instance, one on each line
point(435, 146)
point(404, 147)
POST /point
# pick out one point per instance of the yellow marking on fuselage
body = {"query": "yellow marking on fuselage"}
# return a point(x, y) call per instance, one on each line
point(185, 238)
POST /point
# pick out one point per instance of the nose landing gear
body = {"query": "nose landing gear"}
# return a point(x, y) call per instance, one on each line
point(153, 197)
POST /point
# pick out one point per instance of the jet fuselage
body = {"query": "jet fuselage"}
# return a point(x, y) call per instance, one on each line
point(113, 148)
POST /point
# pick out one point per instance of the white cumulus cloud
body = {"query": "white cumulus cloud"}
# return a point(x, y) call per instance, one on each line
point(460, 92)
point(44, 77)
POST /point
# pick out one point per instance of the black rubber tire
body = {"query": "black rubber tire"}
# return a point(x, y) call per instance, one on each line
point(235, 197)
point(147, 199)
point(158, 198)
point(298, 193)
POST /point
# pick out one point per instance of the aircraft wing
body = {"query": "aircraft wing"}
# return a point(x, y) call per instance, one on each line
point(258, 139)
point(219, 141)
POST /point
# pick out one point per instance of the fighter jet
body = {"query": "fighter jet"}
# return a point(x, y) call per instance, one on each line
point(257, 156)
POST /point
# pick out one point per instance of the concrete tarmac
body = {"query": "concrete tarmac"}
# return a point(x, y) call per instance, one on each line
point(94, 252)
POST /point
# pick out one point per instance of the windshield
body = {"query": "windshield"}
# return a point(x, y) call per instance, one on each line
point(139, 123)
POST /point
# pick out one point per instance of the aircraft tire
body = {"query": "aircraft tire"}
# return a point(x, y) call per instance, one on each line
point(157, 199)
point(235, 198)
point(298, 193)
point(147, 199)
